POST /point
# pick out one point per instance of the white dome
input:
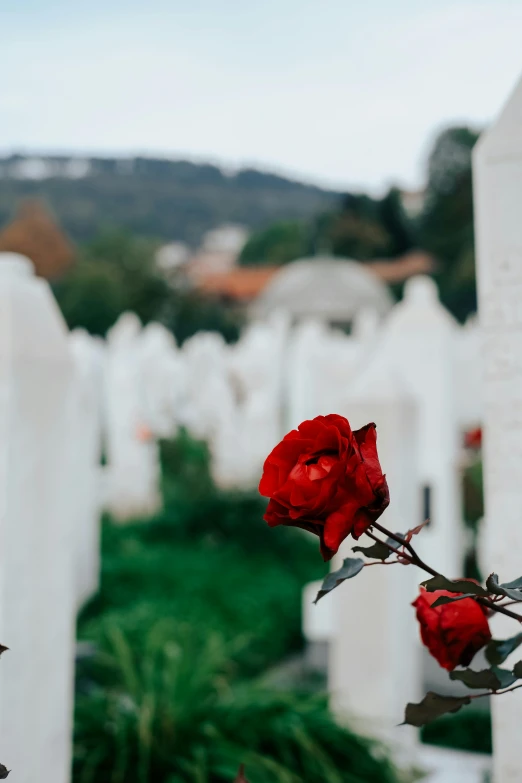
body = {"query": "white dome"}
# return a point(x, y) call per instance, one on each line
point(331, 289)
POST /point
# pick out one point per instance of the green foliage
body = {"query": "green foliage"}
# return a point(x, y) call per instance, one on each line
point(189, 312)
point(432, 706)
point(278, 244)
point(367, 228)
point(191, 604)
point(473, 494)
point(165, 199)
point(468, 730)
point(172, 714)
point(115, 273)
point(446, 224)
point(209, 558)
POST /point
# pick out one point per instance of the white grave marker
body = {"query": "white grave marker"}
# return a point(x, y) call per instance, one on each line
point(498, 228)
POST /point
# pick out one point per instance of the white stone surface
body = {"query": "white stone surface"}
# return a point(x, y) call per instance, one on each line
point(498, 227)
point(419, 341)
point(450, 766)
point(86, 435)
point(38, 547)
point(318, 619)
point(133, 470)
point(374, 666)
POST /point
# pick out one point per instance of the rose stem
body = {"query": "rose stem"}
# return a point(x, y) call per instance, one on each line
point(414, 559)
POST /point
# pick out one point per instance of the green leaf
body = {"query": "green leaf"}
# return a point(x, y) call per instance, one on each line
point(379, 550)
point(433, 706)
point(498, 649)
point(504, 676)
point(517, 670)
point(453, 586)
point(508, 589)
point(446, 599)
point(484, 679)
point(351, 567)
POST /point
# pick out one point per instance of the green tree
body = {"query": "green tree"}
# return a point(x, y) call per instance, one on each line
point(278, 244)
point(446, 224)
point(114, 273)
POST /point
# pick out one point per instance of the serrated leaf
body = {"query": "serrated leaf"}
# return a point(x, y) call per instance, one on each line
point(4, 772)
point(240, 778)
point(454, 586)
point(483, 679)
point(499, 649)
point(433, 706)
point(379, 550)
point(446, 599)
point(508, 589)
point(504, 676)
point(351, 567)
point(517, 670)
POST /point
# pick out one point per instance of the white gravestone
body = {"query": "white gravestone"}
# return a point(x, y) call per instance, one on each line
point(88, 355)
point(38, 552)
point(498, 229)
point(374, 666)
point(133, 469)
point(419, 341)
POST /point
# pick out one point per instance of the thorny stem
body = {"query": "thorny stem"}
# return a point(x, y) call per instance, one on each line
point(414, 559)
point(495, 693)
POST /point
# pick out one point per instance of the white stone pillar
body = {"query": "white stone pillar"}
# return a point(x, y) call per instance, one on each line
point(374, 666)
point(37, 548)
point(498, 229)
point(87, 353)
point(419, 341)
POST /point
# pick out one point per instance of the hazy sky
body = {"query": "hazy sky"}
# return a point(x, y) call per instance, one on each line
point(341, 92)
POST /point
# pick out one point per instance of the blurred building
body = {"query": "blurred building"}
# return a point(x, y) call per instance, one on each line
point(329, 289)
point(35, 234)
point(243, 285)
point(218, 253)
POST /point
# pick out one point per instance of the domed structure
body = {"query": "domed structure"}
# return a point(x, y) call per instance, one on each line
point(333, 290)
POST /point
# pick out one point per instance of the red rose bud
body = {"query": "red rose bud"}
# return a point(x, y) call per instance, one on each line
point(473, 438)
point(326, 479)
point(453, 632)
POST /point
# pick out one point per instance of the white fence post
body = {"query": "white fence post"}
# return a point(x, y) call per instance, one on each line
point(498, 229)
point(36, 529)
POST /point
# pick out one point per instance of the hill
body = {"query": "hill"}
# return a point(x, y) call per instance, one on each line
point(158, 198)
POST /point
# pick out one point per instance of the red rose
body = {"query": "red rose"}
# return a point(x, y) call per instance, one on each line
point(327, 479)
point(454, 632)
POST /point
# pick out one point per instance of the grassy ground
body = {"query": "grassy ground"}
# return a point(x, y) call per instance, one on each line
point(194, 606)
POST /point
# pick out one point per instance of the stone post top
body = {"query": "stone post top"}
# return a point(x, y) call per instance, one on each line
point(421, 289)
point(15, 265)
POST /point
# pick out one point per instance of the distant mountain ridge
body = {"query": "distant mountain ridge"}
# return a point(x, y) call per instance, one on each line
point(160, 198)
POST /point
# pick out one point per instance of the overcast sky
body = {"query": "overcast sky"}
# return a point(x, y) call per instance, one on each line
point(341, 92)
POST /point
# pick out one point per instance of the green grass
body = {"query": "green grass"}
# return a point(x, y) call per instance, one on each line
point(194, 606)
point(175, 713)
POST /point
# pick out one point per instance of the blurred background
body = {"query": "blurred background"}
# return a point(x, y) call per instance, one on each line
point(264, 182)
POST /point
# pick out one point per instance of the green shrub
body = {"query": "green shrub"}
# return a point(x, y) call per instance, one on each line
point(169, 714)
point(469, 730)
point(208, 559)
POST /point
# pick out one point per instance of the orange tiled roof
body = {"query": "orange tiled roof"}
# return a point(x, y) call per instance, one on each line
point(243, 284)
